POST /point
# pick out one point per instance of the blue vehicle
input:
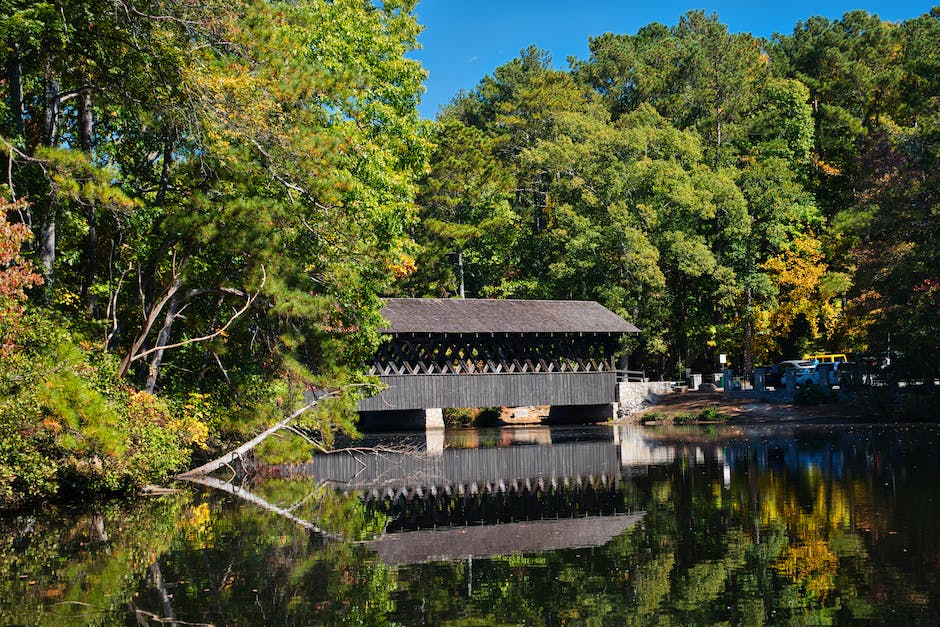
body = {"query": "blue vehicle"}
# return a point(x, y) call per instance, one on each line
point(803, 372)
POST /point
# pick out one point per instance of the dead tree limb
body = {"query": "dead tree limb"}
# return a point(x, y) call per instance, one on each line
point(169, 294)
point(150, 317)
point(245, 448)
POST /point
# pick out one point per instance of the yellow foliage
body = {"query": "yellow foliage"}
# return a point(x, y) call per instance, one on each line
point(827, 169)
point(809, 561)
point(66, 298)
point(193, 425)
point(797, 272)
point(403, 266)
point(197, 526)
point(811, 564)
point(147, 408)
point(191, 431)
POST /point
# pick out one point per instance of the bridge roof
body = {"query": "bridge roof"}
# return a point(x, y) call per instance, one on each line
point(480, 541)
point(471, 315)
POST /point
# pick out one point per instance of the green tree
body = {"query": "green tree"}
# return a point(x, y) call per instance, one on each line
point(873, 91)
point(850, 68)
point(219, 191)
point(751, 124)
point(467, 227)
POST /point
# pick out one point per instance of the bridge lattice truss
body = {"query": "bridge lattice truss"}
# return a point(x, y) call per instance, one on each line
point(494, 354)
point(490, 502)
point(474, 489)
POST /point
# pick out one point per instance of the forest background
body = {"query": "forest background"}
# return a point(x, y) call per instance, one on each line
point(204, 201)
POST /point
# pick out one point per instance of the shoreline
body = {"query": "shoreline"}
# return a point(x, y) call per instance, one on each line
point(738, 408)
point(749, 407)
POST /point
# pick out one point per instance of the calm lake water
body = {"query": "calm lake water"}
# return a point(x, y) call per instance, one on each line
point(601, 525)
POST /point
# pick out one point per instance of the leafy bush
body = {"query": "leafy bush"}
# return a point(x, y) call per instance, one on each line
point(67, 419)
point(487, 417)
point(459, 416)
point(472, 416)
point(711, 414)
point(16, 276)
point(25, 472)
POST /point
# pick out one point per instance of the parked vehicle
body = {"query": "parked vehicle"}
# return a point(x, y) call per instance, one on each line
point(802, 374)
point(883, 360)
point(879, 367)
point(826, 358)
point(775, 374)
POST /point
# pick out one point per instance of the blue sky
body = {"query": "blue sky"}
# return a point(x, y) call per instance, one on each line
point(464, 40)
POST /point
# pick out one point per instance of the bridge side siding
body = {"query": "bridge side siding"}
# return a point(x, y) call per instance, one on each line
point(492, 390)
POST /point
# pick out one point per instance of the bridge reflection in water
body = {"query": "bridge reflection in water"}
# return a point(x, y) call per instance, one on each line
point(512, 490)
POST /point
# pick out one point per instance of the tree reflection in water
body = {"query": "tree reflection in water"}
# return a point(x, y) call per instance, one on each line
point(810, 525)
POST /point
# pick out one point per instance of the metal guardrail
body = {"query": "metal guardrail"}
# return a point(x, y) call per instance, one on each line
point(631, 375)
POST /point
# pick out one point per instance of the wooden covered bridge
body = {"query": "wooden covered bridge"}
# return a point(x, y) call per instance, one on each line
point(443, 353)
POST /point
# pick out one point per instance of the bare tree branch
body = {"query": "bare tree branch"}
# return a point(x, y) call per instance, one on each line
point(221, 367)
point(115, 292)
point(216, 333)
point(150, 319)
point(130, 9)
point(280, 179)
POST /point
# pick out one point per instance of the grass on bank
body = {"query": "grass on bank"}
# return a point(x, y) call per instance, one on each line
point(710, 414)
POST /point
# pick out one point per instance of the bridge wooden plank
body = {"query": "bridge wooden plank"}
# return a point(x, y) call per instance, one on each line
point(491, 390)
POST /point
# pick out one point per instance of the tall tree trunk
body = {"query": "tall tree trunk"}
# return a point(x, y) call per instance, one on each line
point(165, 170)
point(51, 111)
point(460, 271)
point(748, 334)
point(536, 212)
point(15, 78)
point(90, 262)
point(163, 338)
point(166, 243)
point(45, 240)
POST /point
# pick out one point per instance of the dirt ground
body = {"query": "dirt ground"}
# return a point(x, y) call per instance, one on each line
point(523, 415)
point(751, 407)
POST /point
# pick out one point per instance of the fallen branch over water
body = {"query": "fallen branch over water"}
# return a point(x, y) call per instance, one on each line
point(244, 449)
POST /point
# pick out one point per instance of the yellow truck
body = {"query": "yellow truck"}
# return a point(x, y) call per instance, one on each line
point(826, 358)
